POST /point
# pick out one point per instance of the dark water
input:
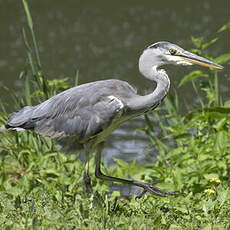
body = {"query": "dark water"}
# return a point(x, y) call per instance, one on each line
point(103, 39)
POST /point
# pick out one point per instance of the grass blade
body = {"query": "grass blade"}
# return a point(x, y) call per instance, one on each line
point(27, 89)
point(29, 52)
point(76, 78)
point(30, 24)
point(216, 88)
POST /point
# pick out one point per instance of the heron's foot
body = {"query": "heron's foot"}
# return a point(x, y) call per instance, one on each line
point(148, 187)
point(88, 185)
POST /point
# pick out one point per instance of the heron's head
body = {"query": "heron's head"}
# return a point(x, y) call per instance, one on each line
point(162, 53)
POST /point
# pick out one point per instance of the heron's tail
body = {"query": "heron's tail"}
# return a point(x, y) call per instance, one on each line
point(21, 120)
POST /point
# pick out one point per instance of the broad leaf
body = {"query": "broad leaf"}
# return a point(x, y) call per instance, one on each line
point(224, 27)
point(208, 43)
point(227, 103)
point(192, 75)
point(222, 59)
point(197, 42)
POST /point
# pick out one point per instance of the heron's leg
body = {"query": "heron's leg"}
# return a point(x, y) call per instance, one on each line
point(148, 187)
point(86, 176)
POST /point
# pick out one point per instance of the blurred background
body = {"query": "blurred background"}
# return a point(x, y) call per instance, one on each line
point(103, 39)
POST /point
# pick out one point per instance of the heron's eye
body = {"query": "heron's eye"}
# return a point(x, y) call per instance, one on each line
point(172, 51)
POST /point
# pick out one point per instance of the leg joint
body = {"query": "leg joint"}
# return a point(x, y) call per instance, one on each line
point(98, 173)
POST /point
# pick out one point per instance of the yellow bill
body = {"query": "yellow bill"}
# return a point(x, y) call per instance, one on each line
point(195, 59)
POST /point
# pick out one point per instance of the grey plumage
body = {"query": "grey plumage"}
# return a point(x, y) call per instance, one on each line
point(85, 115)
point(71, 114)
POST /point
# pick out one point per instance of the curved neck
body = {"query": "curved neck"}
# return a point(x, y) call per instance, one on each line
point(150, 101)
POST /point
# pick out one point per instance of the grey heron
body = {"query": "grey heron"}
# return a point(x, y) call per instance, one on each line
point(82, 117)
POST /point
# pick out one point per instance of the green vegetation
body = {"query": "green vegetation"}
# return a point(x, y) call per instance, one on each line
point(42, 188)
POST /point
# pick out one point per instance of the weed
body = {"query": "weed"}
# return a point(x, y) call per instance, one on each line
point(41, 188)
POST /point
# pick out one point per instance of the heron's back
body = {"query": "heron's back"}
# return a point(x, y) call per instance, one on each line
point(80, 112)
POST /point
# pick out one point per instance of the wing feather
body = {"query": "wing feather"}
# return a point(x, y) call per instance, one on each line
point(81, 117)
point(82, 111)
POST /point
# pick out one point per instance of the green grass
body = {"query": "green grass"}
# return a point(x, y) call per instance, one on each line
point(42, 188)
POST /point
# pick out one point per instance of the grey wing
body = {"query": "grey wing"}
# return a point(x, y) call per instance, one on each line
point(81, 117)
point(82, 111)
